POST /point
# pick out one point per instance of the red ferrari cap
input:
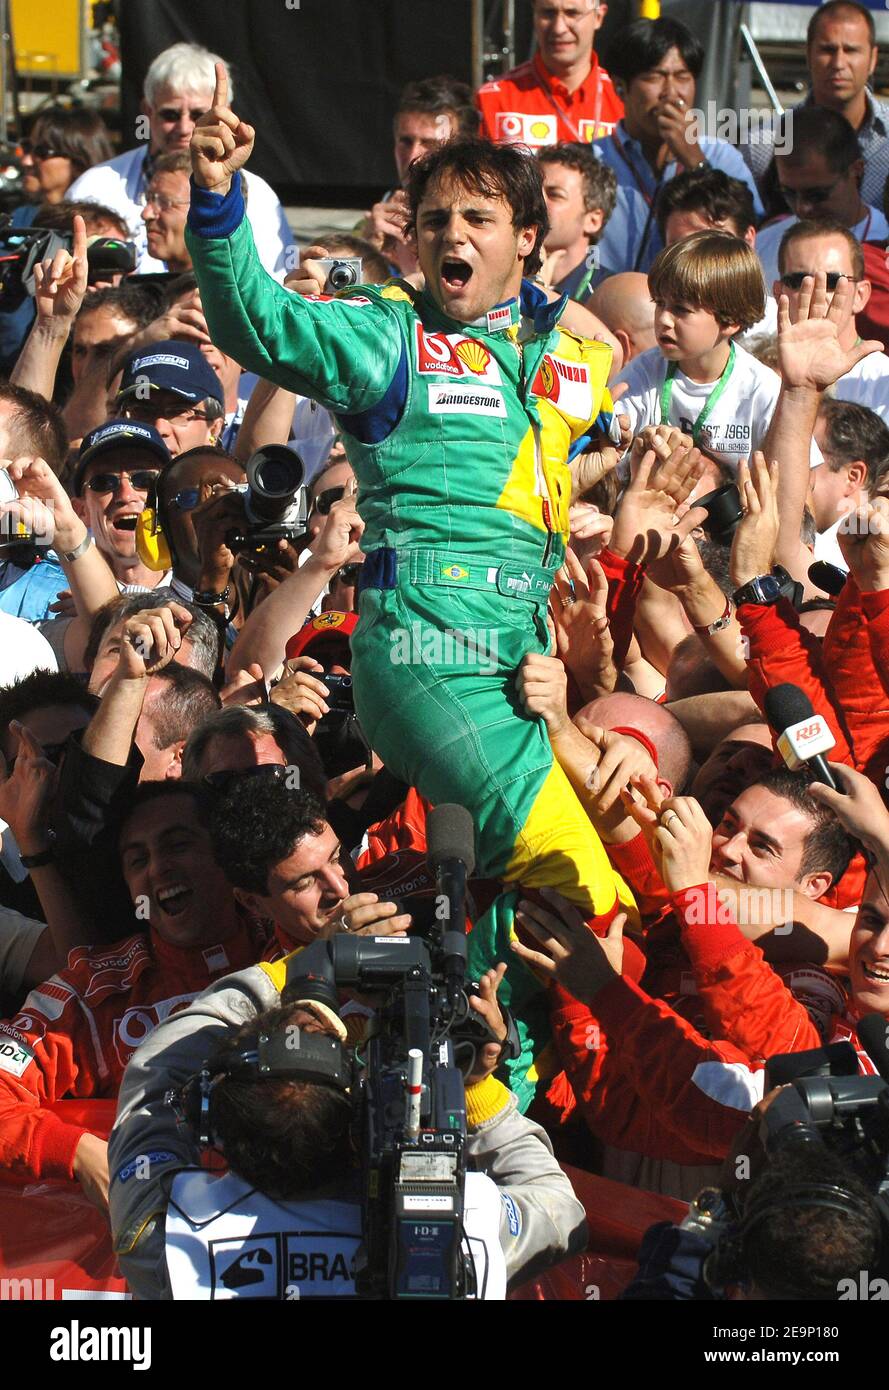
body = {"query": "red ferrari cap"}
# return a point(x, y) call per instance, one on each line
point(332, 626)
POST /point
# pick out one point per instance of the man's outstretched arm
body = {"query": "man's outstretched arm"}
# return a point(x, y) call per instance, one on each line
point(348, 354)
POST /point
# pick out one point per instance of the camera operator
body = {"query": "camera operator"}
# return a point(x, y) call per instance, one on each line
point(805, 1224)
point(289, 1140)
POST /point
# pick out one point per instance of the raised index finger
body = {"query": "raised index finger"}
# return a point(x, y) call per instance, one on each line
point(28, 743)
point(220, 96)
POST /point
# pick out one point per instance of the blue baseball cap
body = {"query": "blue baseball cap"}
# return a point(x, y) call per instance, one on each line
point(116, 435)
point(175, 366)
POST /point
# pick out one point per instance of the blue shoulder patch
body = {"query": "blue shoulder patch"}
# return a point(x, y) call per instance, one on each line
point(513, 1216)
point(136, 1165)
point(376, 424)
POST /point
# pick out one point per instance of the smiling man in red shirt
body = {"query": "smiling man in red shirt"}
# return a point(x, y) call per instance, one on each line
point(562, 93)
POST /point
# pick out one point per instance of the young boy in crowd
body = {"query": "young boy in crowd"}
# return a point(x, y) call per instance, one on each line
point(706, 288)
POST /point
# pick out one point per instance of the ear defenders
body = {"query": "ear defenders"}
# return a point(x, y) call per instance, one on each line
point(152, 546)
point(319, 1058)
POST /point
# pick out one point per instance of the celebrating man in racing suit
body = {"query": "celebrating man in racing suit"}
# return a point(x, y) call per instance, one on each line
point(459, 406)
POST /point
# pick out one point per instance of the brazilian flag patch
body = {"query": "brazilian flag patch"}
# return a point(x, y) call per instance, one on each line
point(454, 572)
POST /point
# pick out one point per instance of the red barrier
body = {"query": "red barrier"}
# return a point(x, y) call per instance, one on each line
point(618, 1218)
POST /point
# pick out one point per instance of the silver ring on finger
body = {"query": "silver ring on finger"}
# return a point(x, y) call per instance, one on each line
point(666, 820)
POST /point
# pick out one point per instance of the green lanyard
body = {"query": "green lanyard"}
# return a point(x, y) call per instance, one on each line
point(709, 404)
point(583, 286)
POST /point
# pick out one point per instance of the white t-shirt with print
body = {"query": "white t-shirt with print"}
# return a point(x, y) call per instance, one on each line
point(739, 421)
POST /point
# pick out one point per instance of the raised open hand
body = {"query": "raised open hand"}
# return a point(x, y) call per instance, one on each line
point(753, 544)
point(651, 518)
point(809, 353)
point(582, 632)
point(221, 142)
point(26, 794)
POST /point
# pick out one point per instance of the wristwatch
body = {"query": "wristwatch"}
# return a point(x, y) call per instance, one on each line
point(765, 589)
point(43, 857)
point(205, 598)
point(75, 554)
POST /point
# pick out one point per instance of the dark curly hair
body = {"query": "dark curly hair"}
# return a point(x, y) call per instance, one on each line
point(796, 1250)
point(259, 823)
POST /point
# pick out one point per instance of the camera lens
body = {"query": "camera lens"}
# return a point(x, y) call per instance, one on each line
point(341, 276)
point(724, 511)
point(274, 476)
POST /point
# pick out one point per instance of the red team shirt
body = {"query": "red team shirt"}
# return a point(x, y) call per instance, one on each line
point(529, 106)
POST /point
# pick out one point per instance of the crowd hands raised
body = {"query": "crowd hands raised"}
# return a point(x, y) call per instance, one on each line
point(185, 787)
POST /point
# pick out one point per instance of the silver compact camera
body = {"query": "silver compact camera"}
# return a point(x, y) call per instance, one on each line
point(342, 272)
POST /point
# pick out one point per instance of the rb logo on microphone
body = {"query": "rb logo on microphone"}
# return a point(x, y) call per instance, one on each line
point(805, 740)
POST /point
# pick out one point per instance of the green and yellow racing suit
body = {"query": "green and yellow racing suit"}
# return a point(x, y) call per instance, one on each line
point(459, 436)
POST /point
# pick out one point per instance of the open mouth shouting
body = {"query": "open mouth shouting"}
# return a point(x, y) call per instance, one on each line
point(455, 274)
point(123, 525)
point(175, 899)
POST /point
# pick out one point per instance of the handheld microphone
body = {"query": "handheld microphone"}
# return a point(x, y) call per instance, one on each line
point(803, 735)
point(450, 840)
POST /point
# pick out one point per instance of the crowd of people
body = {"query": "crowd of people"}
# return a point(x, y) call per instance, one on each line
point(595, 456)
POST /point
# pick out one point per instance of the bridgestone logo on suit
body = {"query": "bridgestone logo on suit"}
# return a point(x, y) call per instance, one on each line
point(466, 400)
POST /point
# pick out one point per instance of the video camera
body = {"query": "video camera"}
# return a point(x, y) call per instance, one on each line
point(408, 1085)
point(407, 1082)
point(22, 248)
point(828, 1102)
point(825, 1107)
point(276, 500)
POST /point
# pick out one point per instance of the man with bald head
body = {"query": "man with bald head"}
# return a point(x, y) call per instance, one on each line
point(625, 306)
point(652, 724)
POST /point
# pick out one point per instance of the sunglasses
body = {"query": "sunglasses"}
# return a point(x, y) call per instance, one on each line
point(171, 114)
point(325, 500)
point(40, 151)
point(793, 280)
point(811, 195)
point(141, 480)
point(348, 574)
point(221, 782)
